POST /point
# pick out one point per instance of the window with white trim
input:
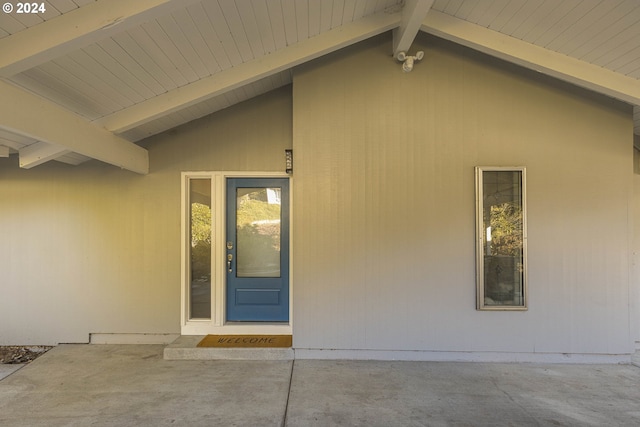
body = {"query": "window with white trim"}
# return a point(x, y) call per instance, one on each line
point(199, 247)
point(501, 236)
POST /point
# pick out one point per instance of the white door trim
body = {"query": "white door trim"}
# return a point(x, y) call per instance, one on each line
point(217, 323)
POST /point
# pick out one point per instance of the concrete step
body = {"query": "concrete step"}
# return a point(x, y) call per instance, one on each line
point(186, 348)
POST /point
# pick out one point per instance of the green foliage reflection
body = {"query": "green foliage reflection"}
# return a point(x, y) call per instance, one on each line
point(258, 234)
point(506, 229)
point(200, 241)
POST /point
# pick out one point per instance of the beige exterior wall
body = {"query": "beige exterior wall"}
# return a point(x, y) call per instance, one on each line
point(383, 214)
point(93, 249)
point(635, 289)
point(384, 204)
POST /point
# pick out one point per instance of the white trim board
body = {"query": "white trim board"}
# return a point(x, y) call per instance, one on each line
point(124, 338)
point(217, 324)
point(461, 356)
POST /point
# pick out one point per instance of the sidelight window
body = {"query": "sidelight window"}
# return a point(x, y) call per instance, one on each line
point(199, 245)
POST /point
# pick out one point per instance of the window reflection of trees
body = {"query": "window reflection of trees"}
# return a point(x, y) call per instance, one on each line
point(258, 232)
point(506, 229)
point(200, 241)
point(503, 222)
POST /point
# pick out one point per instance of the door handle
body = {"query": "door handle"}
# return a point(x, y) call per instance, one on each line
point(229, 259)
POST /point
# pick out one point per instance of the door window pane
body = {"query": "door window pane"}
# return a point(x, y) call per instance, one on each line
point(258, 232)
point(501, 238)
point(200, 248)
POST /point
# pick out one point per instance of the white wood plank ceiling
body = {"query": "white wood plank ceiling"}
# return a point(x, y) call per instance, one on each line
point(112, 72)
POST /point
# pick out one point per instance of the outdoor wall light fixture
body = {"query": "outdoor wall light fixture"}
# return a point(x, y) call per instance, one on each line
point(288, 158)
point(407, 60)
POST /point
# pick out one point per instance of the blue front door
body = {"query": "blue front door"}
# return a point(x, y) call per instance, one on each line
point(257, 249)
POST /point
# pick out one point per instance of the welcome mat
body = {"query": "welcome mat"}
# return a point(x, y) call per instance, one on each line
point(247, 341)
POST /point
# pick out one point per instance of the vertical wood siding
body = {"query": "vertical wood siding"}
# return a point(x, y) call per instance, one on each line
point(96, 249)
point(635, 280)
point(384, 204)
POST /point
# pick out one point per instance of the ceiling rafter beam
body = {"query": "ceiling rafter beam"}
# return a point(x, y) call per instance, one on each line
point(249, 72)
point(4, 151)
point(39, 153)
point(76, 29)
point(71, 159)
point(11, 144)
point(413, 14)
point(44, 121)
point(533, 57)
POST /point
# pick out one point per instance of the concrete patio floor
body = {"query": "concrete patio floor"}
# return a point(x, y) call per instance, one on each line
point(132, 385)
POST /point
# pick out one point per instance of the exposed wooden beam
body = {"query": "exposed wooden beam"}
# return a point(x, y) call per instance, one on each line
point(44, 121)
point(78, 28)
point(9, 143)
point(39, 153)
point(413, 14)
point(534, 57)
point(249, 72)
point(72, 159)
